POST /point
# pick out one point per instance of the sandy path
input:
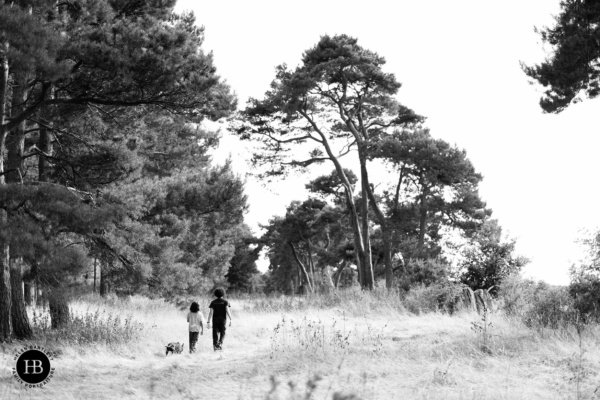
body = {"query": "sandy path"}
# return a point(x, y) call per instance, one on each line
point(233, 371)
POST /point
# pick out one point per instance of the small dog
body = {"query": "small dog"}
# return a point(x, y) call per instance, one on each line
point(174, 348)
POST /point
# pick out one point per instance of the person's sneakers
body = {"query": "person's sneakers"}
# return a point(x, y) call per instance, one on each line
point(218, 347)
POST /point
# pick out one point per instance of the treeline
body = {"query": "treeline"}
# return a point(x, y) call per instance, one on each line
point(104, 165)
point(400, 197)
point(439, 229)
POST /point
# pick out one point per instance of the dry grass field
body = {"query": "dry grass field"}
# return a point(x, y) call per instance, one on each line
point(350, 346)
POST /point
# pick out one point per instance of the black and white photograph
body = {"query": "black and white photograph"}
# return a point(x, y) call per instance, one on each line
point(318, 200)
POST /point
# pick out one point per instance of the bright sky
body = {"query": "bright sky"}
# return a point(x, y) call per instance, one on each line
point(459, 65)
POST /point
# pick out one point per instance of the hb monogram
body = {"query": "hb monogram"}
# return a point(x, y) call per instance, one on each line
point(36, 366)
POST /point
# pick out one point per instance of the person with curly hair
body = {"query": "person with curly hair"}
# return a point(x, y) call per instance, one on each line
point(219, 312)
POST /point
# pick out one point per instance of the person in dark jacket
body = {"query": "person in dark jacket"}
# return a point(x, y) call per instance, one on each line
point(219, 312)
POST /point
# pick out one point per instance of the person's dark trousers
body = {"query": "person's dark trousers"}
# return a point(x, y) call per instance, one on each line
point(193, 341)
point(218, 332)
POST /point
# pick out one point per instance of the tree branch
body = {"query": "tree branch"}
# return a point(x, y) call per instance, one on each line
point(306, 163)
point(397, 195)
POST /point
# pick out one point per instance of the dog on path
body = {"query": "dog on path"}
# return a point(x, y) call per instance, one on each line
point(174, 348)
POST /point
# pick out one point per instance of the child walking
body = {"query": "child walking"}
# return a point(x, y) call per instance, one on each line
point(194, 319)
point(219, 312)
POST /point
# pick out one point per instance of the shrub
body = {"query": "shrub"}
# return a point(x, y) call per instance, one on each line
point(437, 297)
point(551, 307)
point(585, 291)
point(540, 305)
point(422, 273)
point(515, 295)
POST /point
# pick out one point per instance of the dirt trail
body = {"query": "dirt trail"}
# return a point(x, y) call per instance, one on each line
point(99, 376)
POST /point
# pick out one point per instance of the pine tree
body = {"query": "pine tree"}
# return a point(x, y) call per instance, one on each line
point(571, 70)
point(436, 186)
point(339, 94)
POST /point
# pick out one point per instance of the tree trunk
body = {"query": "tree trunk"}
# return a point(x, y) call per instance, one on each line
point(422, 223)
point(41, 299)
point(305, 274)
point(383, 223)
point(358, 239)
point(387, 253)
point(38, 293)
point(361, 227)
point(20, 321)
point(95, 263)
point(298, 279)
point(104, 285)
point(291, 289)
point(15, 140)
point(6, 329)
point(368, 277)
point(311, 262)
point(338, 274)
point(45, 147)
point(5, 292)
point(45, 139)
point(59, 309)
point(28, 292)
point(326, 272)
point(357, 244)
point(359, 252)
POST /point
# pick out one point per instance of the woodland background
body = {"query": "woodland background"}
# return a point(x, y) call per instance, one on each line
point(106, 183)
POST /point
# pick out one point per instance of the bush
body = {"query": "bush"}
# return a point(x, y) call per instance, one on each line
point(540, 305)
point(426, 272)
point(585, 291)
point(551, 307)
point(434, 298)
point(515, 295)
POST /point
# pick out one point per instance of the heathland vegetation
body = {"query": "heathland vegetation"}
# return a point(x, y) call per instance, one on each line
point(348, 345)
point(113, 218)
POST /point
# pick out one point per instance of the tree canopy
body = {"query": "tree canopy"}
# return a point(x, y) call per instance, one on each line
point(572, 70)
point(102, 158)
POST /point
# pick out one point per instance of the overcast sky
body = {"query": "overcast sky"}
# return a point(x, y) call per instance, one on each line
point(458, 62)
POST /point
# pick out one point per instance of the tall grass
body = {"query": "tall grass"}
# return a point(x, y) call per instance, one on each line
point(324, 338)
point(367, 345)
point(353, 300)
point(357, 302)
point(89, 327)
point(109, 321)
